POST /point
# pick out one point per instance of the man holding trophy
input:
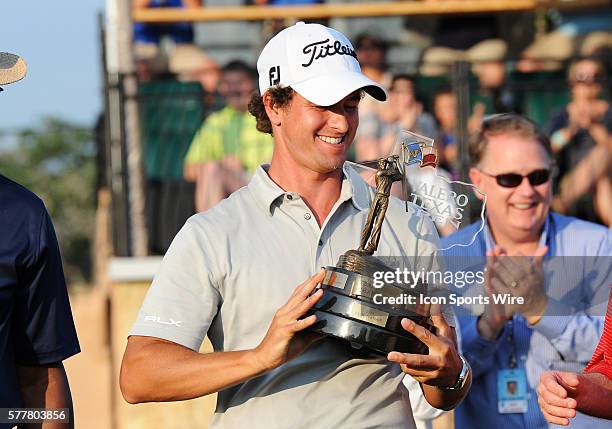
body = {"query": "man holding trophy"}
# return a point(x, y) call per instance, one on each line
point(231, 272)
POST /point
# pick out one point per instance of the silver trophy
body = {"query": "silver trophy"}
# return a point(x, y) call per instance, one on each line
point(347, 309)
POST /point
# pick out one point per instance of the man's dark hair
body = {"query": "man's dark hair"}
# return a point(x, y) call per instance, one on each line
point(364, 39)
point(240, 66)
point(402, 76)
point(600, 74)
point(443, 89)
point(506, 123)
point(281, 97)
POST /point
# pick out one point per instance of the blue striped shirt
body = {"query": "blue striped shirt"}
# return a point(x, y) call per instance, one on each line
point(564, 339)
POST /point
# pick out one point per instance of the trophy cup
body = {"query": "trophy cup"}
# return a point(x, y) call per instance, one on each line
point(347, 309)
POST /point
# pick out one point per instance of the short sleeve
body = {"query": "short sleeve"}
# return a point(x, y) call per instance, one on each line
point(184, 298)
point(43, 329)
point(207, 144)
point(557, 121)
point(602, 358)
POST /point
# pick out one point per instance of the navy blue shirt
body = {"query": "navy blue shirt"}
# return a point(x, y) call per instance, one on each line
point(36, 326)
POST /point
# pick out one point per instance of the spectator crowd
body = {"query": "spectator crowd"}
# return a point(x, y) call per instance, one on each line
point(224, 152)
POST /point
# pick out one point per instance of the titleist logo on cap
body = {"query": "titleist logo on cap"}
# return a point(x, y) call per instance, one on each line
point(324, 49)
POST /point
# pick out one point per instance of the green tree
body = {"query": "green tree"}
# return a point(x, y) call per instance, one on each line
point(57, 161)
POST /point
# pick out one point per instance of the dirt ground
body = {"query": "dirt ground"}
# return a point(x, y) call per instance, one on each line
point(89, 372)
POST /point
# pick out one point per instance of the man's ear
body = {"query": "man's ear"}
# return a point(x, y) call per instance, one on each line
point(272, 109)
point(476, 178)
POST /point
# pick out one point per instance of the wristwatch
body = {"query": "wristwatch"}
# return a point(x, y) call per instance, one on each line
point(463, 375)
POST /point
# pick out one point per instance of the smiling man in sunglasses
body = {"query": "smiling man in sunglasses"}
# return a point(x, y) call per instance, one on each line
point(536, 257)
point(511, 164)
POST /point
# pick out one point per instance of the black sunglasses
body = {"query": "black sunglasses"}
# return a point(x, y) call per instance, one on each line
point(512, 180)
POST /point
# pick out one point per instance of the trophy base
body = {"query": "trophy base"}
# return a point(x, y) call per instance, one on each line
point(362, 335)
point(347, 311)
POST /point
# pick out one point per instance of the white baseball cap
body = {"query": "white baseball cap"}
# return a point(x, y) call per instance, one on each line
point(318, 62)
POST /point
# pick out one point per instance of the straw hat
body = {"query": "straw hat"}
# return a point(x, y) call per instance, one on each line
point(487, 50)
point(593, 42)
point(12, 68)
point(437, 60)
point(550, 50)
point(556, 46)
point(186, 58)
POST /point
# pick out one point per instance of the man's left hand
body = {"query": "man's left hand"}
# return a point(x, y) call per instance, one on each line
point(441, 367)
point(523, 277)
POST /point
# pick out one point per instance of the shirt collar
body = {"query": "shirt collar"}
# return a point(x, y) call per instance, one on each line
point(357, 188)
point(490, 243)
point(266, 192)
point(264, 189)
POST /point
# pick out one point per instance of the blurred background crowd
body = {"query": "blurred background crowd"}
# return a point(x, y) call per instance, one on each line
point(186, 140)
point(195, 81)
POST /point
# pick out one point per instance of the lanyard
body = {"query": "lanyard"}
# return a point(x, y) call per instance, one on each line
point(512, 357)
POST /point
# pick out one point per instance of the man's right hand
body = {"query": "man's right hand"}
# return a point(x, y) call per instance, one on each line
point(492, 321)
point(556, 396)
point(285, 339)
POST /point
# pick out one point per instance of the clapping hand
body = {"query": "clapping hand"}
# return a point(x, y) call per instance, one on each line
point(520, 276)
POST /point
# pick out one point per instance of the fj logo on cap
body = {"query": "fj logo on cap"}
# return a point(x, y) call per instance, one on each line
point(324, 49)
point(274, 75)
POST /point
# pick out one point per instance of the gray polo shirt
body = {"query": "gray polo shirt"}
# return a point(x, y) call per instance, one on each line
point(229, 269)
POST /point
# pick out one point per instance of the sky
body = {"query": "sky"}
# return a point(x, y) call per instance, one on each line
point(59, 42)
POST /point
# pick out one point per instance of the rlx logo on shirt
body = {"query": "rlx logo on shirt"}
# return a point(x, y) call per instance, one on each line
point(324, 49)
point(157, 319)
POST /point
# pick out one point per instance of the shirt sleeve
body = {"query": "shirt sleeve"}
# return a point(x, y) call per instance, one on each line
point(184, 297)
point(422, 411)
point(572, 328)
point(602, 358)
point(43, 329)
point(479, 351)
point(557, 121)
point(207, 144)
point(573, 336)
